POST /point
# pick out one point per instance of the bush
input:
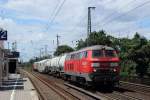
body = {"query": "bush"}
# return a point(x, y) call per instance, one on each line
point(128, 68)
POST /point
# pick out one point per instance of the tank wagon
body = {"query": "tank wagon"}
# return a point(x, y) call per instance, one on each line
point(35, 64)
point(91, 66)
point(42, 66)
point(48, 64)
point(56, 65)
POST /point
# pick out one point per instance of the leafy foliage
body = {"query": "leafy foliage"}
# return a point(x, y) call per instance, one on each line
point(63, 49)
point(95, 38)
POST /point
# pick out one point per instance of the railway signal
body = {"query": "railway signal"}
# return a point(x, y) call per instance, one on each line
point(57, 40)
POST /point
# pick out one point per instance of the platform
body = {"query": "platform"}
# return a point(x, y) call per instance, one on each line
point(18, 89)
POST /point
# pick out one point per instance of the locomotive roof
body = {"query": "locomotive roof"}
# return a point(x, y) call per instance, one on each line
point(95, 47)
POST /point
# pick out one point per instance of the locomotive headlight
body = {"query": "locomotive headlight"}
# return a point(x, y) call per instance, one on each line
point(94, 70)
point(114, 64)
point(95, 64)
point(115, 70)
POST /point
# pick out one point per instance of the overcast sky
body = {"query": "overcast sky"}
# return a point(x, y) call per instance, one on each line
point(29, 22)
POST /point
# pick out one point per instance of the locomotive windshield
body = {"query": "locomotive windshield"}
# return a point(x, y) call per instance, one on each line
point(110, 53)
point(97, 53)
point(103, 53)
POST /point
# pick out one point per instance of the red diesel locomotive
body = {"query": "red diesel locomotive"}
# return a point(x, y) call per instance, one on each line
point(93, 65)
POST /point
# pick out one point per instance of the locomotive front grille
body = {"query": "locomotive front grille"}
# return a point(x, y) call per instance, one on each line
point(103, 75)
point(104, 70)
point(107, 73)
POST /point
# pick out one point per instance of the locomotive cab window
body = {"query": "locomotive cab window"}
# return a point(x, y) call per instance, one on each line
point(97, 53)
point(110, 53)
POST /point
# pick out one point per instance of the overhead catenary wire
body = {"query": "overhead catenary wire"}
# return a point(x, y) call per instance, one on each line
point(55, 15)
point(139, 26)
point(51, 18)
point(52, 14)
point(79, 22)
point(81, 18)
point(113, 19)
point(113, 13)
point(124, 14)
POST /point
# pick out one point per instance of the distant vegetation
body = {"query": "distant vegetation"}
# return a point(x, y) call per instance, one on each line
point(63, 49)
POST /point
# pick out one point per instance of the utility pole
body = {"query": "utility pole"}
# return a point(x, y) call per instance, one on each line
point(57, 40)
point(8, 45)
point(14, 46)
point(45, 50)
point(41, 52)
point(89, 22)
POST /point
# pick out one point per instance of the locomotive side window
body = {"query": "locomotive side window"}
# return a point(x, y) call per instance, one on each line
point(77, 56)
point(80, 55)
point(72, 56)
point(97, 53)
point(85, 54)
point(110, 53)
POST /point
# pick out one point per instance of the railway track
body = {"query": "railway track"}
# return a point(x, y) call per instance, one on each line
point(98, 95)
point(119, 96)
point(143, 89)
point(73, 92)
point(64, 93)
point(109, 96)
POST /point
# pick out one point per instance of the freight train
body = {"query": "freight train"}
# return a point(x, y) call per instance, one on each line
point(93, 65)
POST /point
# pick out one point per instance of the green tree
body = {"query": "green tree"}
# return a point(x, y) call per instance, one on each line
point(129, 67)
point(148, 70)
point(80, 44)
point(98, 38)
point(63, 49)
point(95, 38)
point(142, 58)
